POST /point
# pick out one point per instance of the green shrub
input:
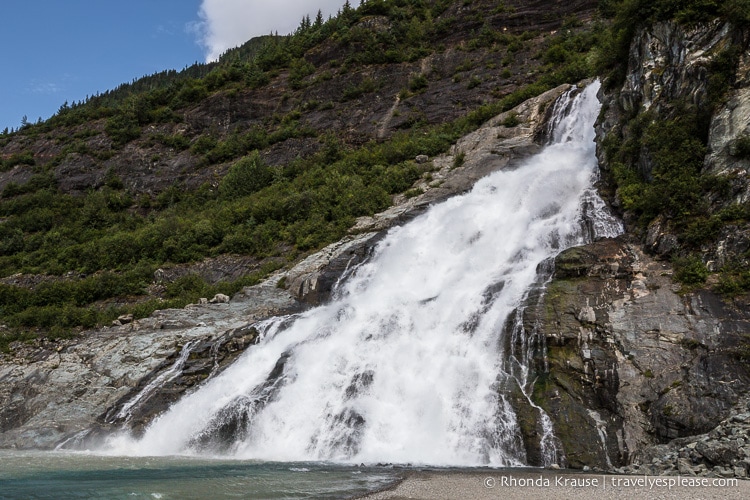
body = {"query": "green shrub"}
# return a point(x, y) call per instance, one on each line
point(122, 128)
point(511, 120)
point(741, 147)
point(246, 176)
point(298, 70)
point(459, 159)
point(192, 91)
point(25, 158)
point(690, 270)
point(702, 230)
point(418, 82)
point(555, 55)
point(738, 11)
point(176, 141)
point(203, 144)
point(366, 86)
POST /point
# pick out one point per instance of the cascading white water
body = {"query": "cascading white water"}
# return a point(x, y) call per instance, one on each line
point(126, 412)
point(406, 365)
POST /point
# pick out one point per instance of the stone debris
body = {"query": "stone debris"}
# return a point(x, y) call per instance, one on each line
point(722, 452)
point(125, 319)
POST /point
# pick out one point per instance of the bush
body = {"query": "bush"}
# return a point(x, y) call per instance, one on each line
point(176, 141)
point(511, 120)
point(738, 11)
point(418, 82)
point(246, 176)
point(122, 128)
point(690, 270)
point(25, 158)
point(298, 70)
point(741, 148)
point(191, 92)
point(366, 86)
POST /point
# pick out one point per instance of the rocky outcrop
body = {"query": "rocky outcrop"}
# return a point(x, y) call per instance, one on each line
point(722, 452)
point(51, 391)
point(704, 68)
point(629, 361)
point(669, 62)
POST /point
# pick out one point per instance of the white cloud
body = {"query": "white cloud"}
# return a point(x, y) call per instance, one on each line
point(229, 23)
point(40, 87)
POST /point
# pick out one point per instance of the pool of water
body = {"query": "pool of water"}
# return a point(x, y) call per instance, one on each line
point(58, 475)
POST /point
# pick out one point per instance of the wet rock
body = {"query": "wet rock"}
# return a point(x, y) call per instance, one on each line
point(615, 331)
point(45, 400)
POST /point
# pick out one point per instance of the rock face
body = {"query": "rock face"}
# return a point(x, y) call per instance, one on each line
point(668, 63)
point(671, 66)
point(628, 361)
point(73, 391)
point(56, 390)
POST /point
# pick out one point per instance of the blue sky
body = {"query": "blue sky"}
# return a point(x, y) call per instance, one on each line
point(64, 50)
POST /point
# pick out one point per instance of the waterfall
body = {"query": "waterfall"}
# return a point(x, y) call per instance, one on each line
point(126, 412)
point(408, 363)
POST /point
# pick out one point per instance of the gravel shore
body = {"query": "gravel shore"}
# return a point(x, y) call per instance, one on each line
point(495, 484)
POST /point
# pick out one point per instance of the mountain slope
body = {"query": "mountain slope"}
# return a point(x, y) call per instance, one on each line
point(268, 154)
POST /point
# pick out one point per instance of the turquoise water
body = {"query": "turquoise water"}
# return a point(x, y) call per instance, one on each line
point(48, 475)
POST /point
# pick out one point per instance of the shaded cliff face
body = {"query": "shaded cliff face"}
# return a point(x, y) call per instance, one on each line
point(633, 359)
point(630, 361)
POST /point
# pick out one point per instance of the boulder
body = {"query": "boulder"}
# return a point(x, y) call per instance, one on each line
point(219, 298)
